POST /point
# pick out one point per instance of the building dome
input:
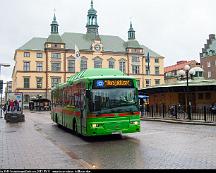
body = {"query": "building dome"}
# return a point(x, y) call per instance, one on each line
point(54, 38)
point(92, 11)
point(132, 44)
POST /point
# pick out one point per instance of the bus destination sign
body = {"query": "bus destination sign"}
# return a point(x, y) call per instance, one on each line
point(113, 83)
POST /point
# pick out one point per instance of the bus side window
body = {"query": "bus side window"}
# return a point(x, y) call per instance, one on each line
point(98, 103)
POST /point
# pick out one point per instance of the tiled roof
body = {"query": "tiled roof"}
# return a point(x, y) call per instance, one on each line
point(35, 43)
point(110, 43)
point(151, 52)
point(177, 66)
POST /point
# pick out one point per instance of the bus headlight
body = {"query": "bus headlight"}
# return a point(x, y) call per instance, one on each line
point(134, 122)
point(95, 125)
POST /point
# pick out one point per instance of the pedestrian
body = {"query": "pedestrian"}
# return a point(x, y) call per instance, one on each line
point(142, 107)
point(8, 105)
point(20, 105)
point(11, 105)
point(16, 105)
point(5, 107)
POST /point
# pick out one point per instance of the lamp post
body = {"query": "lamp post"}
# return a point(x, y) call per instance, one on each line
point(2, 65)
point(187, 68)
point(188, 72)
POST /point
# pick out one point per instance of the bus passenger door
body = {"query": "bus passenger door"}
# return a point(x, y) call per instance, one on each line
point(83, 112)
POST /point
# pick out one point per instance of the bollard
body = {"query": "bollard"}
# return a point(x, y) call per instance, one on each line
point(205, 113)
point(175, 111)
point(189, 112)
point(152, 111)
point(163, 109)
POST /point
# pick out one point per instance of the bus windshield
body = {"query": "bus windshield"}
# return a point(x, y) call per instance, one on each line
point(113, 100)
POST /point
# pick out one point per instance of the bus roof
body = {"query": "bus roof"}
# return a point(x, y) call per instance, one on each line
point(95, 73)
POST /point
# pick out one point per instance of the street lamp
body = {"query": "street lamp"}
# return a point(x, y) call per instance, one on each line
point(188, 103)
point(187, 72)
point(2, 65)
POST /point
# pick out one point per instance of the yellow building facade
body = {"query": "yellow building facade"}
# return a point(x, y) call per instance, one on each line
point(42, 63)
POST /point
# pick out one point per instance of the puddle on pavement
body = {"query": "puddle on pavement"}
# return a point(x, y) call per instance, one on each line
point(10, 131)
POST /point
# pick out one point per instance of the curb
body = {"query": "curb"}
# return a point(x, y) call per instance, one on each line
point(179, 121)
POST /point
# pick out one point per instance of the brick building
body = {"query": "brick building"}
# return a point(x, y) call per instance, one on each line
point(208, 58)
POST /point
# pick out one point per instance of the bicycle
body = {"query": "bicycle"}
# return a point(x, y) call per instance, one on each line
point(181, 114)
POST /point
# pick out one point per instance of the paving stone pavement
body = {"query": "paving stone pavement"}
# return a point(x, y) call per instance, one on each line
point(23, 147)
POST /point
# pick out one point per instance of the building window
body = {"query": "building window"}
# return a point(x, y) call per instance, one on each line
point(135, 59)
point(207, 96)
point(55, 81)
point(39, 55)
point(97, 63)
point(26, 98)
point(26, 82)
point(55, 55)
point(148, 82)
point(56, 67)
point(26, 54)
point(39, 66)
point(200, 96)
point(39, 82)
point(209, 74)
point(83, 64)
point(209, 64)
point(156, 60)
point(122, 65)
point(111, 64)
point(26, 66)
point(138, 83)
point(147, 70)
point(135, 69)
point(71, 66)
point(157, 72)
point(157, 81)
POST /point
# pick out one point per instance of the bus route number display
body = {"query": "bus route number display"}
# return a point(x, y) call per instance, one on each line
point(113, 83)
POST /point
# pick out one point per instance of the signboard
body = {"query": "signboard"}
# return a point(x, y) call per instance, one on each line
point(113, 83)
point(17, 99)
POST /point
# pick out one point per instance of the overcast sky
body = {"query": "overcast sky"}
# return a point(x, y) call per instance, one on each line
point(175, 29)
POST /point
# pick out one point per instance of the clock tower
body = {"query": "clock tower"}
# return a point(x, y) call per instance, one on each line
point(92, 26)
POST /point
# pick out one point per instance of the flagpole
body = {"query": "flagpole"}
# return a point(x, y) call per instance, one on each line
point(77, 53)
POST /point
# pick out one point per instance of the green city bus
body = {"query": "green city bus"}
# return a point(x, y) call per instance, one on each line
point(97, 102)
